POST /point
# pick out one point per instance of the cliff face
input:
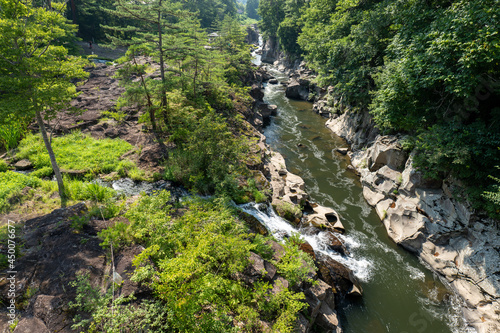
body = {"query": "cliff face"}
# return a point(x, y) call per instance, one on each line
point(427, 217)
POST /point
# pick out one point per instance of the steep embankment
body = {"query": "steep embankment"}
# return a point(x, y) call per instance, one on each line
point(427, 217)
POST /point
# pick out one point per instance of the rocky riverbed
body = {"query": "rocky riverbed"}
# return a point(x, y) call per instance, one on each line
point(429, 218)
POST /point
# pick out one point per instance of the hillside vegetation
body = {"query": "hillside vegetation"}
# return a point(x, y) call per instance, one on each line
point(429, 69)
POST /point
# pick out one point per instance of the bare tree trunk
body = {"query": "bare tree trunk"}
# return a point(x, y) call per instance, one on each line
point(55, 167)
point(164, 102)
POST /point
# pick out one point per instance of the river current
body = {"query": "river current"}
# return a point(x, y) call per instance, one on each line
point(400, 294)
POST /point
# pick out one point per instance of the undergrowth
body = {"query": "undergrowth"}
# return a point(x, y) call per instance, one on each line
point(192, 258)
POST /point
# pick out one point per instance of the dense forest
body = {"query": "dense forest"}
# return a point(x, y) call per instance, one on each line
point(428, 69)
point(186, 92)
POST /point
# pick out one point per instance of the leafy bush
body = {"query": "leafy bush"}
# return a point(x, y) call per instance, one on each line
point(11, 132)
point(191, 261)
point(209, 160)
point(3, 166)
point(148, 316)
point(295, 265)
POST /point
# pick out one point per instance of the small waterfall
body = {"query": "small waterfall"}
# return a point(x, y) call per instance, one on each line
point(280, 229)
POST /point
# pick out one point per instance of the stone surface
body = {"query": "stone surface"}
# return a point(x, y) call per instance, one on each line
point(386, 151)
point(296, 90)
point(31, 325)
point(327, 319)
point(22, 165)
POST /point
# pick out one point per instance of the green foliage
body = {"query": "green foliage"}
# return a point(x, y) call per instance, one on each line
point(36, 73)
point(119, 116)
point(272, 13)
point(11, 132)
point(251, 9)
point(12, 184)
point(191, 261)
point(295, 265)
point(79, 190)
point(209, 160)
point(148, 316)
point(287, 210)
point(3, 166)
point(76, 151)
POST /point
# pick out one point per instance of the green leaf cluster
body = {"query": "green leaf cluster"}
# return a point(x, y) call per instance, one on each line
point(192, 258)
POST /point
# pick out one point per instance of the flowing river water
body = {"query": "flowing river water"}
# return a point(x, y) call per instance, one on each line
point(400, 294)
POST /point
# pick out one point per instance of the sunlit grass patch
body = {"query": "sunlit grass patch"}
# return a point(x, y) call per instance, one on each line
point(76, 151)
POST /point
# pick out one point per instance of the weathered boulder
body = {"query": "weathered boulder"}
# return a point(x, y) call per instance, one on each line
point(22, 165)
point(323, 291)
point(258, 269)
point(273, 81)
point(31, 325)
point(324, 218)
point(295, 90)
point(342, 151)
point(152, 154)
point(327, 319)
point(256, 92)
point(386, 151)
point(270, 50)
point(336, 275)
point(334, 243)
point(253, 223)
point(357, 128)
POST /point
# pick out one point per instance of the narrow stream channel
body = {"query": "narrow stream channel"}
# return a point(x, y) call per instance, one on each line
point(400, 294)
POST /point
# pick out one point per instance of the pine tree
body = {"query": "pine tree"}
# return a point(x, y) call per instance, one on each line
point(162, 30)
point(36, 74)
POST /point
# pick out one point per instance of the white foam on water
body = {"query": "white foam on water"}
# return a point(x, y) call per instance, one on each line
point(280, 228)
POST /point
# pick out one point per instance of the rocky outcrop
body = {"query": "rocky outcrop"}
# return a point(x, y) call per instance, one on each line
point(357, 128)
point(298, 90)
point(423, 216)
point(53, 252)
point(288, 189)
point(270, 50)
point(252, 36)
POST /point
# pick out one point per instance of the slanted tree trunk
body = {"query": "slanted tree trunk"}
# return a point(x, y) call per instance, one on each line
point(164, 102)
point(55, 167)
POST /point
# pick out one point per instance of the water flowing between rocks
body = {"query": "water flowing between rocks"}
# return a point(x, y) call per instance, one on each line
point(400, 294)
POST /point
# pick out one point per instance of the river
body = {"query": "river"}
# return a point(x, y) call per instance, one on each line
point(400, 294)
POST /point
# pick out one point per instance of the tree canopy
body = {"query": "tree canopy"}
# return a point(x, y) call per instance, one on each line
point(36, 72)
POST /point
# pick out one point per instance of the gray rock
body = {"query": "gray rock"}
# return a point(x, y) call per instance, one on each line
point(24, 164)
point(295, 90)
point(387, 151)
point(31, 325)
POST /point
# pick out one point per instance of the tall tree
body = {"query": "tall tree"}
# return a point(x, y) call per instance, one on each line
point(251, 9)
point(165, 32)
point(36, 74)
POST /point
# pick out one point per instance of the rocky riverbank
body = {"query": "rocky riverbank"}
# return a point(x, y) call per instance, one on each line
point(429, 218)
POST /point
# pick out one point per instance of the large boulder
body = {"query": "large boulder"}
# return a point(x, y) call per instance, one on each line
point(324, 218)
point(295, 90)
point(386, 151)
point(337, 275)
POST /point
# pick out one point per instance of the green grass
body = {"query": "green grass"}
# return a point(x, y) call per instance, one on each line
point(75, 151)
point(12, 184)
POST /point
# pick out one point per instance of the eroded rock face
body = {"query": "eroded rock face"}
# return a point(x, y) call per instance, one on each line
point(298, 90)
point(423, 216)
point(338, 276)
point(288, 188)
point(324, 218)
